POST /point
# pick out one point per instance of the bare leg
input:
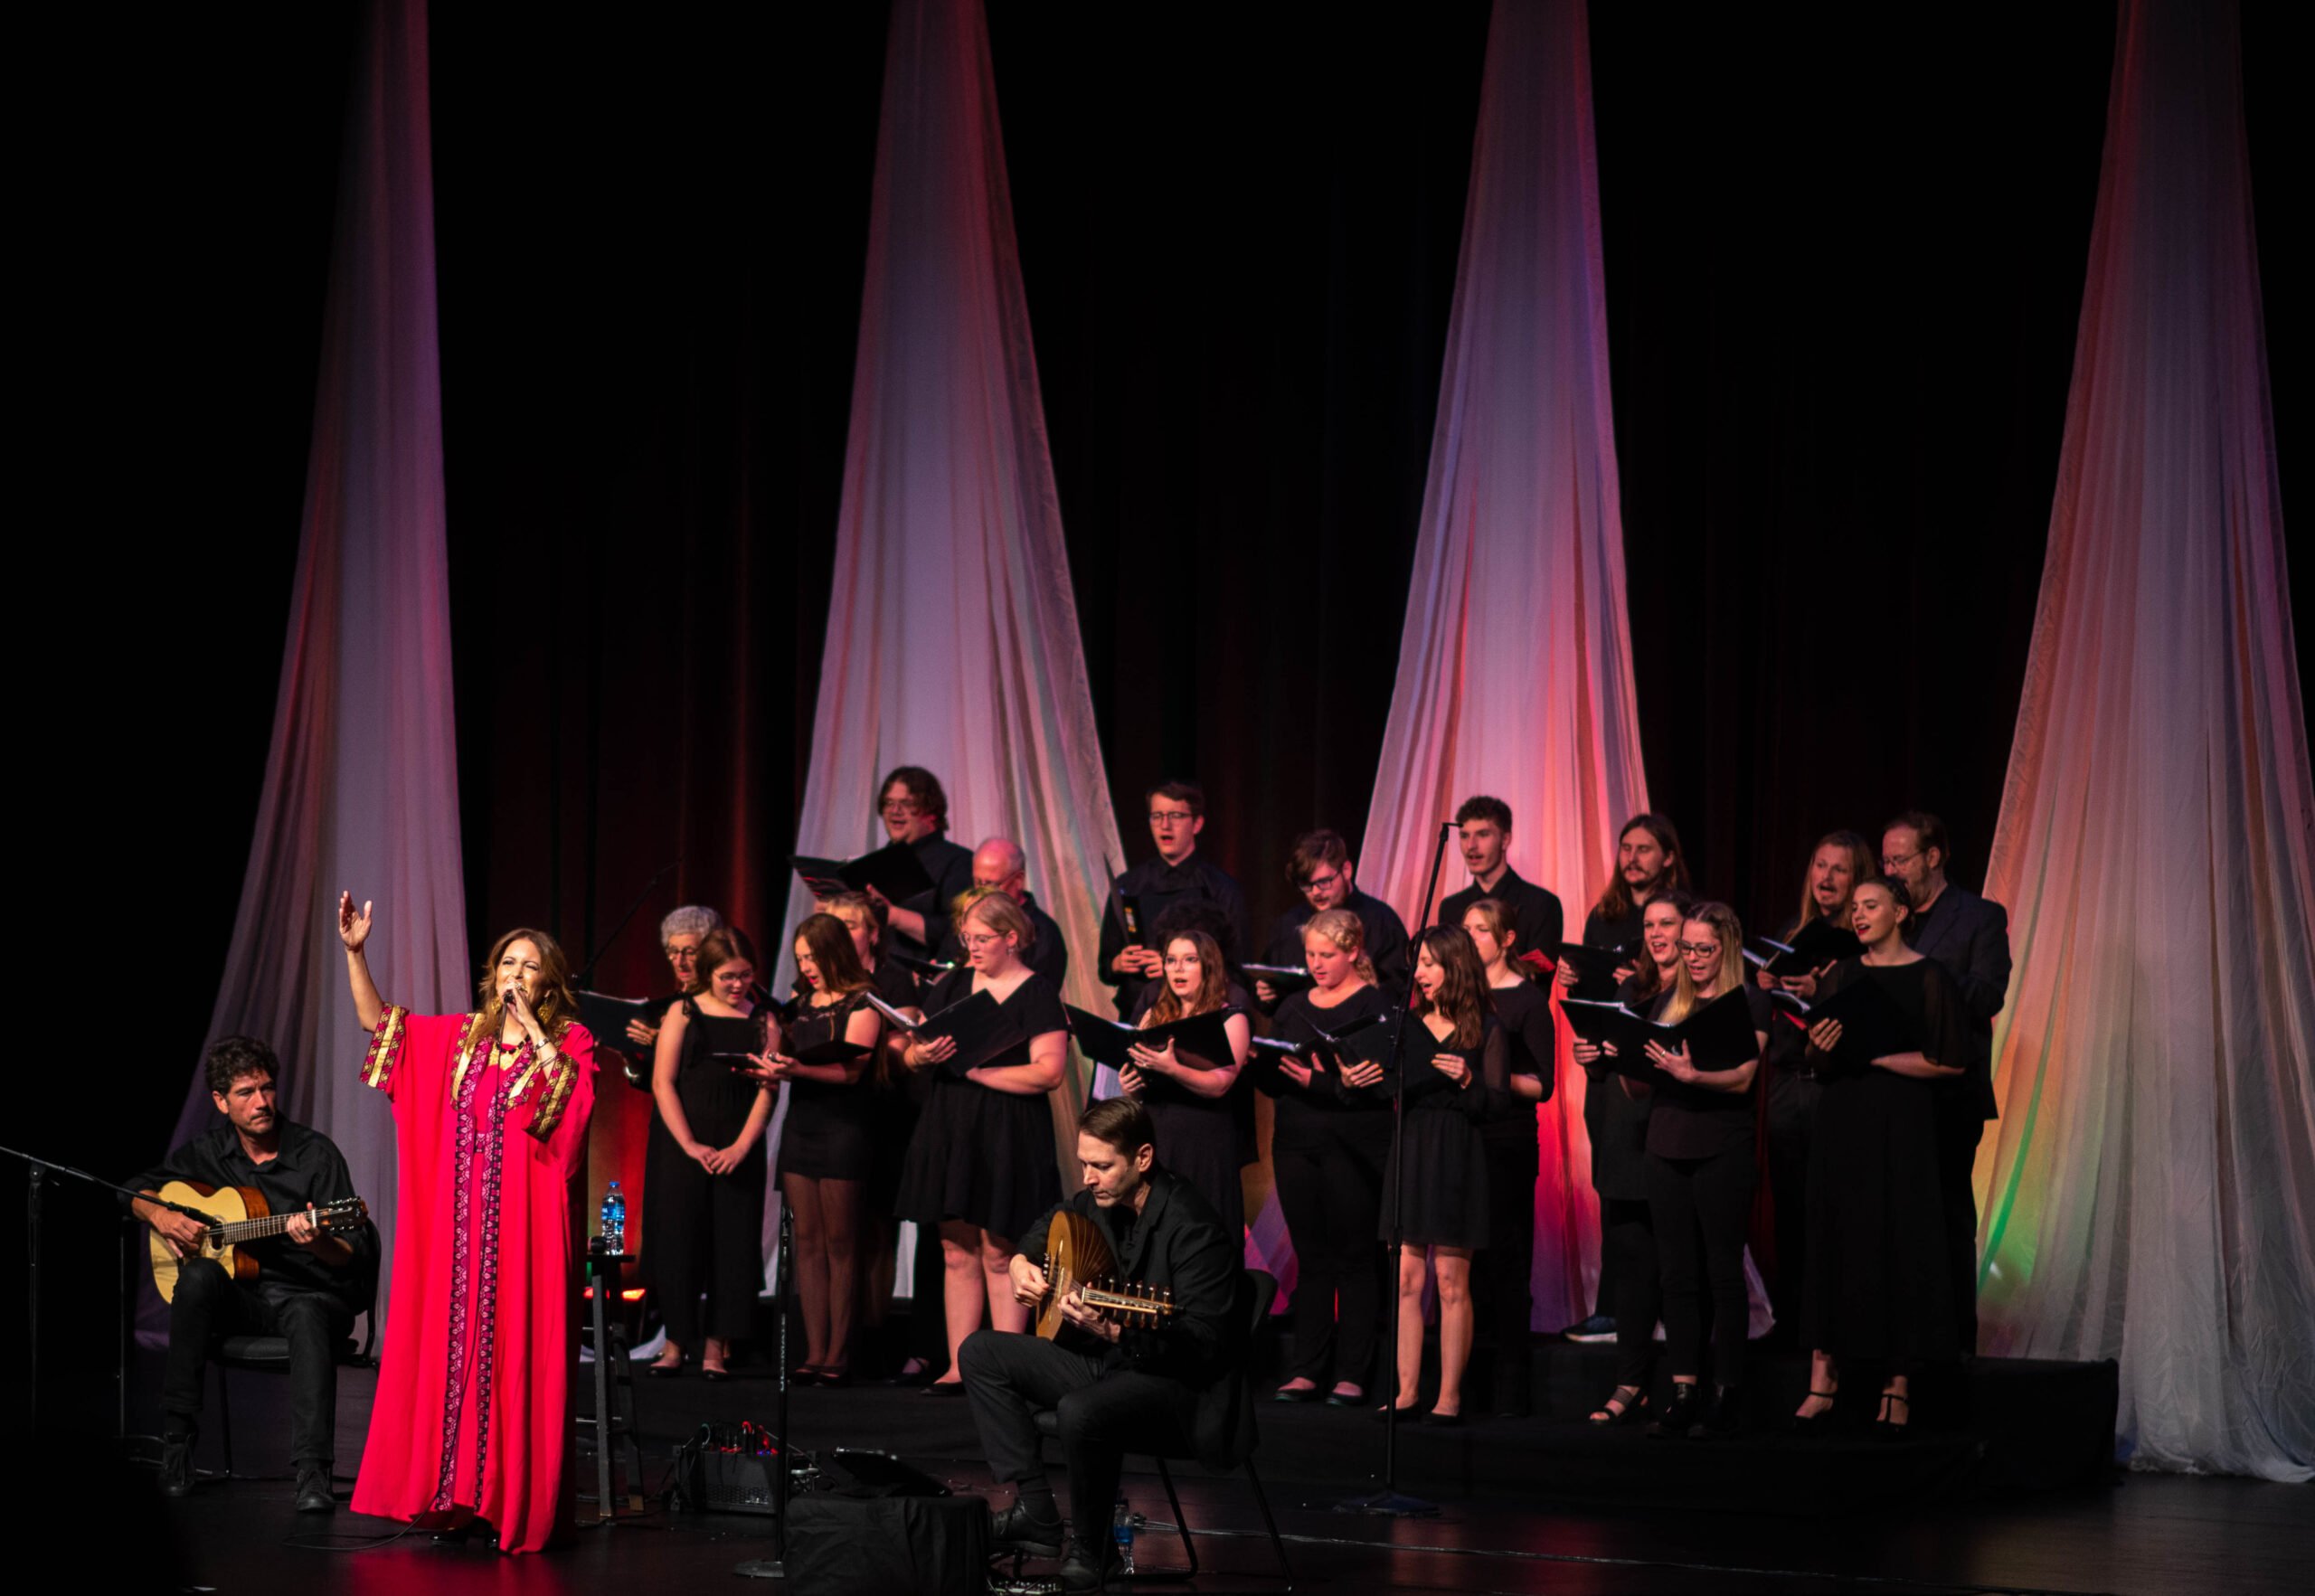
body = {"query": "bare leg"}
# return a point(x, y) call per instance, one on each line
point(962, 1288)
point(1411, 1272)
point(1455, 1326)
point(1896, 1407)
point(1824, 1382)
point(840, 1220)
point(996, 1265)
point(802, 1195)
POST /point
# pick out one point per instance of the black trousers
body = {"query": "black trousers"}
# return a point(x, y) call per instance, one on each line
point(715, 1222)
point(1011, 1378)
point(210, 1306)
point(1501, 1273)
point(927, 1309)
point(1627, 1262)
point(1331, 1193)
point(1792, 1127)
point(1701, 1207)
point(1959, 1131)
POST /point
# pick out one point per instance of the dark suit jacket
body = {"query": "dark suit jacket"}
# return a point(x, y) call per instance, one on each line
point(1970, 936)
point(1180, 1246)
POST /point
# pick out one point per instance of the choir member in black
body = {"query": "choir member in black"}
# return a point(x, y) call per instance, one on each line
point(1196, 1133)
point(1970, 936)
point(707, 1207)
point(1178, 874)
point(1483, 831)
point(980, 1169)
point(914, 808)
point(309, 1284)
point(1700, 1177)
point(1501, 1275)
point(1878, 1291)
point(1631, 1286)
point(680, 935)
point(1321, 869)
point(1649, 864)
point(827, 1143)
point(1000, 866)
point(1329, 1140)
point(1443, 1196)
point(1841, 860)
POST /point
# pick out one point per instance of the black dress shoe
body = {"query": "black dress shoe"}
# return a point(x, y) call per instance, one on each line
point(1015, 1529)
point(1088, 1570)
point(712, 1375)
point(176, 1464)
point(1309, 1393)
point(1439, 1421)
point(945, 1388)
point(1676, 1421)
point(1727, 1414)
point(663, 1371)
point(314, 1490)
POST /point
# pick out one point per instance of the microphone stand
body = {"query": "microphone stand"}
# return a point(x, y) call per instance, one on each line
point(40, 1169)
point(775, 1567)
point(587, 971)
point(1387, 1501)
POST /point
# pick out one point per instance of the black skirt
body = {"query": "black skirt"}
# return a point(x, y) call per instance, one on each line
point(1445, 1193)
point(980, 1155)
point(830, 1131)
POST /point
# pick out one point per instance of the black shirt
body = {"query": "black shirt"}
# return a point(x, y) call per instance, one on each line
point(1622, 931)
point(1697, 1121)
point(1048, 955)
point(306, 1169)
point(1970, 936)
point(1536, 913)
point(1386, 941)
point(951, 866)
point(1525, 1012)
point(1157, 886)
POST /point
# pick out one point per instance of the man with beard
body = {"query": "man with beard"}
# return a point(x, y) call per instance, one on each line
point(309, 1284)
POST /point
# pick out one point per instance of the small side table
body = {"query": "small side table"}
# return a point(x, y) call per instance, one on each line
point(610, 1427)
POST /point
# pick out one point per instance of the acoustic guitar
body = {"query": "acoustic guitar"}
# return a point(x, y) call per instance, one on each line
point(238, 1215)
point(1078, 1258)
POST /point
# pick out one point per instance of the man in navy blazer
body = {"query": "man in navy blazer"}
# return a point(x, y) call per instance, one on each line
point(1971, 938)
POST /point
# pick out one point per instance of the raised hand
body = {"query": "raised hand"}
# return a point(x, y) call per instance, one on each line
point(353, 929)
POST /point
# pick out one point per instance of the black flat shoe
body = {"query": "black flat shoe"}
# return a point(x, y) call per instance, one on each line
point(714, 1374)
point(663, 1371)
point(1635, 1403)
point(1308, 1394)
point(1677, 1419)
point(1816, 1423)
point(945, 1388)
point(1438, 1420)
point(831, 1379)
point(1336, 1398)
point(1725, 1417)
point(1407, 1415)
point(1015, 1529)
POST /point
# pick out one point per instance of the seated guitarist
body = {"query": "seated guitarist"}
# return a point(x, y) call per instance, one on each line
point(309, 1285)
point(1166, 1385)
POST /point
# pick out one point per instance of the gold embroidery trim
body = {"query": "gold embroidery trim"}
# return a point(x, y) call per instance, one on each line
point(385, 1047)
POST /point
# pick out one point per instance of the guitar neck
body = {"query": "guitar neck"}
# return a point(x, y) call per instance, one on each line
point(1123, 1302)
point(239, 1231)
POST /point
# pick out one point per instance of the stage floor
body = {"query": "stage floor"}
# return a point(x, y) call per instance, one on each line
point(2151, 1534)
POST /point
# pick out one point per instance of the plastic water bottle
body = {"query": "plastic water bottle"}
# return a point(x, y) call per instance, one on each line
point(614, 1225)
point(1122, 1531)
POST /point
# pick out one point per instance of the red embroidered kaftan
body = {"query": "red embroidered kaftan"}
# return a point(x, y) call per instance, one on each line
point(472, 1383)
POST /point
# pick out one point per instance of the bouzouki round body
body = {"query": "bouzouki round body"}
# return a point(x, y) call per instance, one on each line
point(225, 1205)
point(1076, 1254)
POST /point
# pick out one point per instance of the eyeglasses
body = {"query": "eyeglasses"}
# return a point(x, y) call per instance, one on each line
point(982, 940)
point(899, 808)
point(1699, 950)
point(1323, 884)
point(1170, 816)
point(1893, 861)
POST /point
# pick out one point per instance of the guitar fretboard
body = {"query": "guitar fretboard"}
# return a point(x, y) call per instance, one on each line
point(273, 1225)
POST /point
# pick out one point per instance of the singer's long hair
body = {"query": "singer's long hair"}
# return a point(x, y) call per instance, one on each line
point(1214, 982)
point(557, 1003)
point(1464, 999)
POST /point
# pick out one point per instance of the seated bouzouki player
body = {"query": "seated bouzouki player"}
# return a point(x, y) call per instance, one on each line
point(309, 1282)
point(1162, 1377)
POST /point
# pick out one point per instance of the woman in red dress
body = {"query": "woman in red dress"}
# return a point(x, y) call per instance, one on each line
point(490, 1128)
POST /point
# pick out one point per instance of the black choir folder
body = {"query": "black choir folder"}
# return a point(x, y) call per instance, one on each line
point(606, 1019)
point(1814, 946)
point(1199, 1042)
point(893, 869)
point(980, 1025)
point(1719, 1036)
point(835, 1052)
point(1284, 979)
point(1595, 969)
point(1326, 1051)
point(1873, 1026)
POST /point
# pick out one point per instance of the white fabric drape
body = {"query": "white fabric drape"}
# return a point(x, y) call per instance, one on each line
point(2150, 1194)
point(360, 781)
point(952, 637)
point(1515, 667)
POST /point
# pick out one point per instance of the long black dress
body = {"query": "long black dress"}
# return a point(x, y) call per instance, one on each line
point(1198, 1137)
point(1445, 1193)
point(1502, 1275)
point(707, 1230)
point(1878, 1287)
point(980, 1155)
point(1632, 1284)
point(830, 1131)
point(1328, 1149)
point(1791, 1126)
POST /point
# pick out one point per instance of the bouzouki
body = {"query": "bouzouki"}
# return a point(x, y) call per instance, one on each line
point(238, 1215)
point(1078, 1258)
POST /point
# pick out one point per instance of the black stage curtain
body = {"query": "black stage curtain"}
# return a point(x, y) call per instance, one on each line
point(1844, 263)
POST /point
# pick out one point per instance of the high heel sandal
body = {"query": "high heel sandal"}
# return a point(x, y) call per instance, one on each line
point(1633, 1406)
point(1816, 1423)
point(1889, 1429)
